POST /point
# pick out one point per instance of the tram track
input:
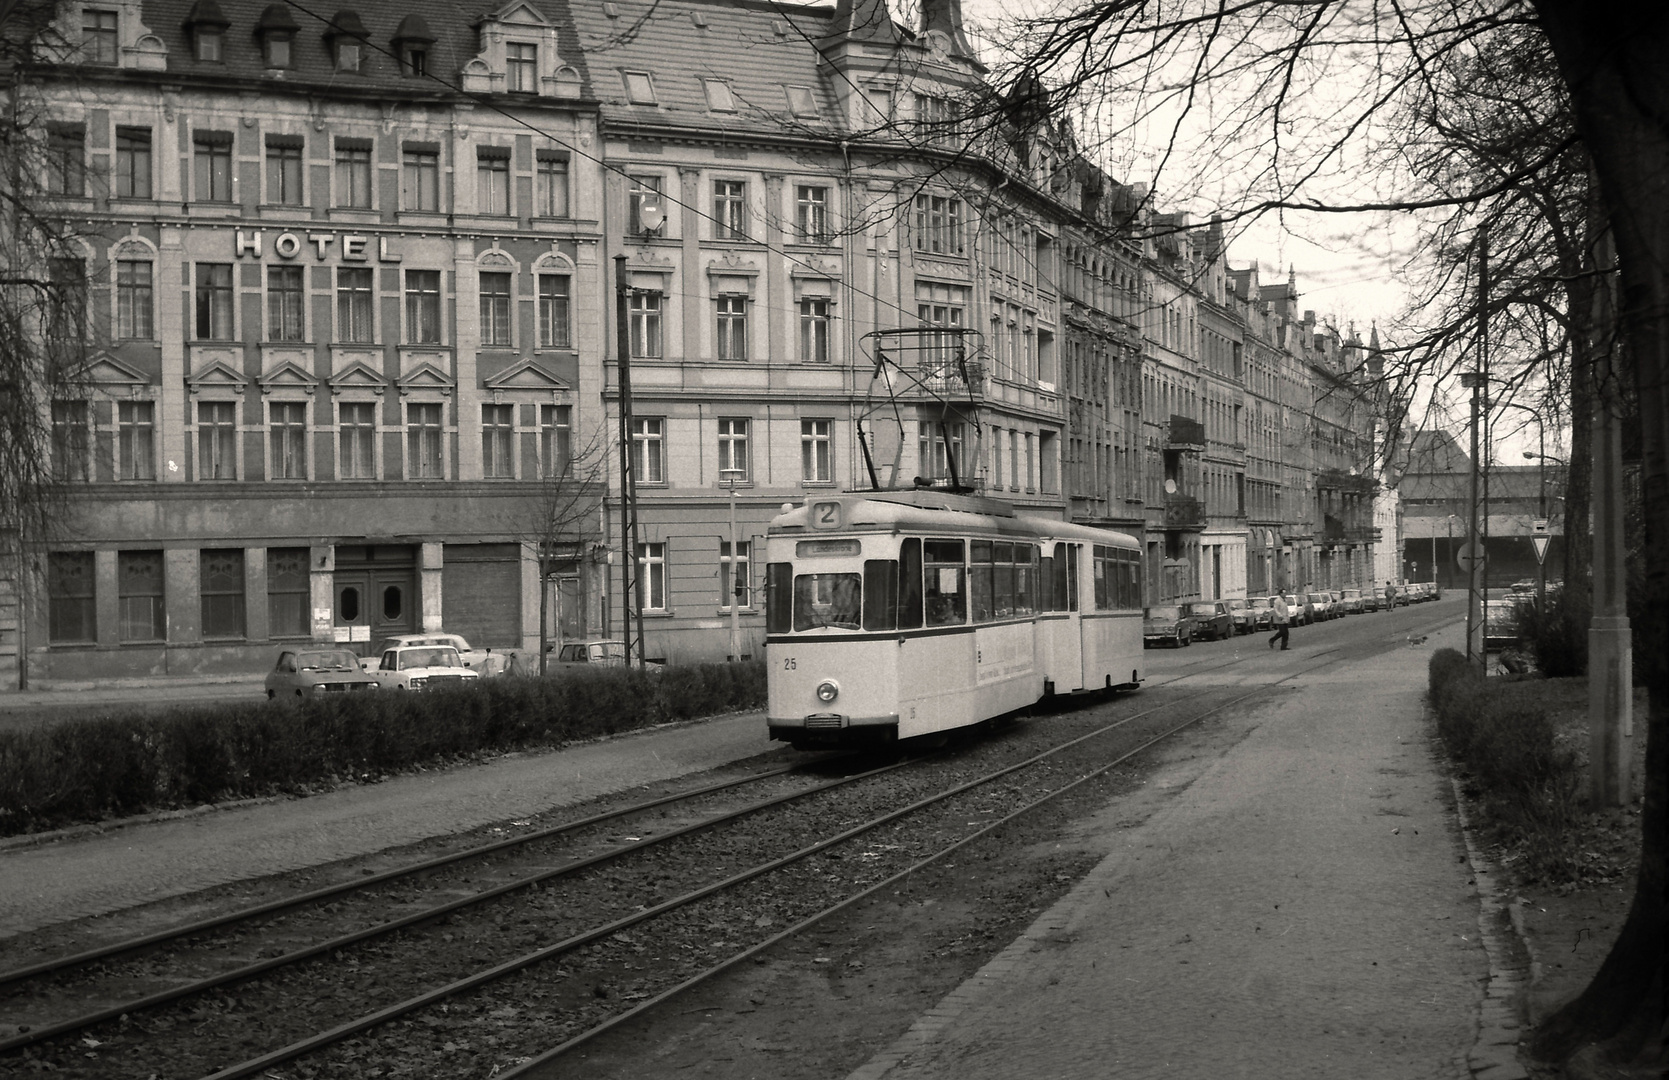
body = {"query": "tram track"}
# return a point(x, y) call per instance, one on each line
point(602, 938)
point(130, 1017)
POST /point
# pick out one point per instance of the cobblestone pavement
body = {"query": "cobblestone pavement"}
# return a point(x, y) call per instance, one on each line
point(93, 872)
point(1298, 907)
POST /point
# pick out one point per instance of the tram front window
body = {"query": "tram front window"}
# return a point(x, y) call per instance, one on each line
point(827, 600)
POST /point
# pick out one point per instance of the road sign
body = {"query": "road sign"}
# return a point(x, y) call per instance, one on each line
point(1540, 544)
point(1539, 525)
point(1463, 558)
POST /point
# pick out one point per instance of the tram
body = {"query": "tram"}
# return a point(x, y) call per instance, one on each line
point(896, 614)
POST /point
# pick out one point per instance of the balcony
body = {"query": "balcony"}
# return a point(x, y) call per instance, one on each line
point(1184, 512)
point(1183, 433)
point(1339, 480)
point(946, 378)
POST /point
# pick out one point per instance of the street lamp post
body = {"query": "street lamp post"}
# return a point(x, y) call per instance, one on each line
point(732, 477)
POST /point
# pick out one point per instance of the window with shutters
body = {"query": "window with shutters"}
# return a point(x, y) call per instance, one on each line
point(220, 588)
point(72, 610)
point(289, 593)
point(139, 582)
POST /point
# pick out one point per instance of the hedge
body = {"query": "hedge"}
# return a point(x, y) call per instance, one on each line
point(92, 770)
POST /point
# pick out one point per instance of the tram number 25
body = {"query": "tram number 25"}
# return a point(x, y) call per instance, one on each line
point(788, 664)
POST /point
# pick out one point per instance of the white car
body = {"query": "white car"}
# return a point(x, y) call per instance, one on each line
point(421, 667)
point(484, 662)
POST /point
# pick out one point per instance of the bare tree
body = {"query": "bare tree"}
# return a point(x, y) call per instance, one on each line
point(561, 518)
point(45, 338)
point(1275, 106)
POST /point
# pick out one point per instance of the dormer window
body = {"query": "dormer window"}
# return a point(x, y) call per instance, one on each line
point(719, 96)
point(276, 31)
point(412, 41)
point(206, 26)
point(640, 88)
point(346, 39)
point(800, 101)
point(99, 39)
point(521, 68)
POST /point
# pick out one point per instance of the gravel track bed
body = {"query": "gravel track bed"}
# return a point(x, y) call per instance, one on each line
point(525, 1014)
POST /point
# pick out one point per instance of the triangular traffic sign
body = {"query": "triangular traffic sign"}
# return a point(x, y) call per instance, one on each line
point(1540, 543)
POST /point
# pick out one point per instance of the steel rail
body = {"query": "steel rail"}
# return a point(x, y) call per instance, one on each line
point(249, 914)
point(353, 1027)
point(322, 948)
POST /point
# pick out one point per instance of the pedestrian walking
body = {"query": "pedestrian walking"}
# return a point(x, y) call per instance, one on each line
point(1282, 617)
point(1390, 597)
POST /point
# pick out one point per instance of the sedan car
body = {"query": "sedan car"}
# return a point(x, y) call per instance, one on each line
point(1211, 619)
point(1167, 624)
point(1300, 612)
point(1321, 606)
point(1263, 612)
point(1351, 602)
point(1500, 623)
point(422, 667)
point(483, 662)
point(1245, 619)
point(306, 672)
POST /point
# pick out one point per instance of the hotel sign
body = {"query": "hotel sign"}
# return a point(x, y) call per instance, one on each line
point(289, 245)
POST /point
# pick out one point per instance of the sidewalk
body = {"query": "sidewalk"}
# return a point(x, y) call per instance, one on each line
point(94, 872)
point(1303, 908)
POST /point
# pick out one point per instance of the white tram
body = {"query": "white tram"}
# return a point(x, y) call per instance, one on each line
point(893, 614)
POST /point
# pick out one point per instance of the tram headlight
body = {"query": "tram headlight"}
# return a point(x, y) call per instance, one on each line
point(827, 691)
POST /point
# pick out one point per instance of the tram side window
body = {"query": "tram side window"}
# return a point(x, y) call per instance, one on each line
point(1025, 593)
point(909, 584)
point(1071, 576)
point(832, 600)
point(981, 580)
point(880, 594)
point(779, 597)
point(1046, 584)
point(945, 588)
point(1103, 600)
point(1130, 582)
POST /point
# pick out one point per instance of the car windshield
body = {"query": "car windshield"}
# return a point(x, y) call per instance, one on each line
point(436, 657)
point(1202, 609)
point(1259, 601)
point(333, 660)
point(1168, 614)
point(1237, 605)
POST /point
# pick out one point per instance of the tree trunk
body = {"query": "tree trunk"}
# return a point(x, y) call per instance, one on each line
point(1611, 54)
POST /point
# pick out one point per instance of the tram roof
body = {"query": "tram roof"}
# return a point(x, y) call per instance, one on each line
point(941, 512)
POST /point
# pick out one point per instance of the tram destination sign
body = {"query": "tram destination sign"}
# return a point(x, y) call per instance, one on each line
point(826, 549)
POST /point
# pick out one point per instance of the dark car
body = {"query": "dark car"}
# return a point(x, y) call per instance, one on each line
point(302, 673)
point(1211, 619)
point(1167, 624)
point(1500, 623)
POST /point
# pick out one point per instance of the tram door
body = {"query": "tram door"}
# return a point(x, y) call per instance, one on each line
point(1068, 648)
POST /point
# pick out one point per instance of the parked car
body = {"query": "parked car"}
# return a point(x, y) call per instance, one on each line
point(483, 662)
point(1245, 619)
point(1263, 612)
point(1500, 623)
point(1322, 605)
point(1300, 612)
point(1167, 624)
point(1352, 602)
point(304, 672)
point(422, 667)
point(1211, 619)
point(592, 654)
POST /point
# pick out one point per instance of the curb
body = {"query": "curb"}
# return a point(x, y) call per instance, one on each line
point(1494, 1053)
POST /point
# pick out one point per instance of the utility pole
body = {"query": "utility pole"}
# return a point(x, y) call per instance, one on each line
point(1610, 646)
point(628, 476)
point(1478, 382)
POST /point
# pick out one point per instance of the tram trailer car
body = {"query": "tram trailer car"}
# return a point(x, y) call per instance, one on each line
point(892, 615)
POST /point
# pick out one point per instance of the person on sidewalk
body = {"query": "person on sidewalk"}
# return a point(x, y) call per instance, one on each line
point(1390, 597)
point(1282, 617)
